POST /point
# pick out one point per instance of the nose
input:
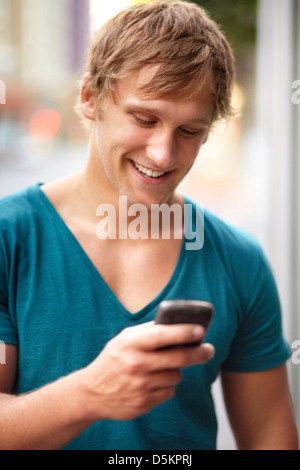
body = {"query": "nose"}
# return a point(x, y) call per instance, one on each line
point(161, 149)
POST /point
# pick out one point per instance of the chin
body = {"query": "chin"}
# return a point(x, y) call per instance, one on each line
point(149, 200)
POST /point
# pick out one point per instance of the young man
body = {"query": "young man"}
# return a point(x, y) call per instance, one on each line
point(85, 366)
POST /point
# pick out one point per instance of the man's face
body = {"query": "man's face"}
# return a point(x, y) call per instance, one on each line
point(146, 147)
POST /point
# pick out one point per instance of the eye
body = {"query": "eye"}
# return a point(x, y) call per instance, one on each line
point(190, 133)
point(144, 122)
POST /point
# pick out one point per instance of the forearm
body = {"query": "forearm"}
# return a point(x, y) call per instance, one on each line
point(131, 375)
point(281, 434)
point(47, 418)
point(260, 409)
point(274, 442)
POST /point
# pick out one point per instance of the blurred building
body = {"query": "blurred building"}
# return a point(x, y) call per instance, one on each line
point(42, 49)
point(43, 43)
point(277, 159)
point(251, 178)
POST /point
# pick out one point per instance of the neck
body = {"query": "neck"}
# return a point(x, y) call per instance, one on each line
point(113, 213)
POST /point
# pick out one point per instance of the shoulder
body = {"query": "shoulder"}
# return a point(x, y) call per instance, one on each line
point(236, 256)
point(224, 237)
point(230, 238)
point(19, 203)
point(18, 211)
point(240, 252)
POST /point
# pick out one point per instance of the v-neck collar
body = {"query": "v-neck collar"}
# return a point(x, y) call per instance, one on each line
point(152, 305)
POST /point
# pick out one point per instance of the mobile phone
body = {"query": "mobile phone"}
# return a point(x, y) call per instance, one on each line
point(184, 311)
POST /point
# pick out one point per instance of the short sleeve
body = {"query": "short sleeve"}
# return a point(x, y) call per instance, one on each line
point(259, 343)
point(7, 331)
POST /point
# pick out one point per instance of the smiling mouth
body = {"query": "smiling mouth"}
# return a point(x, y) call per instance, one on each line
point(147, 172)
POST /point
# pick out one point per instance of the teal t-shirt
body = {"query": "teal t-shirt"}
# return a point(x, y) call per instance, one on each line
point(56, 308)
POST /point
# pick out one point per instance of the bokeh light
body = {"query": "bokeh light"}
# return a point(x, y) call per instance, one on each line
point(44, 124)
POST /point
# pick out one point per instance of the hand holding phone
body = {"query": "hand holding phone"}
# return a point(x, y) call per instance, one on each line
point(185, 311)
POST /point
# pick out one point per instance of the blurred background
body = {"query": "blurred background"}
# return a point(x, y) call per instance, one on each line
point(248, 171)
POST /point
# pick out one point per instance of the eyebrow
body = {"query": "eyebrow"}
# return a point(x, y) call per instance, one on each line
point(161, 114)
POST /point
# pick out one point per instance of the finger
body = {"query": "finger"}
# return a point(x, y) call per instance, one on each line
point(165, 336)
point(163, 379)
point(178, 358)
point(149, 336)
point(162, 395)
point(206, 352)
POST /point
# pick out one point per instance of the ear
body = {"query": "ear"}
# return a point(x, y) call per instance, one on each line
point(87, 101)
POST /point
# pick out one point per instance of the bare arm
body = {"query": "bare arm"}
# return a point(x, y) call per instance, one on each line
point(128, 378)
point(44, 419)
point(260, 409)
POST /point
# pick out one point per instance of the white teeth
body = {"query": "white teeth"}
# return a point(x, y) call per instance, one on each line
point(147, 172)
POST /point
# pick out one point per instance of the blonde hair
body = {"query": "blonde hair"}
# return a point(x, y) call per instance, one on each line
point(179, 37)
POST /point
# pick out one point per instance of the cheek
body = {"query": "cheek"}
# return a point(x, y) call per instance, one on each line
point(125, 133)
point(190, 152)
